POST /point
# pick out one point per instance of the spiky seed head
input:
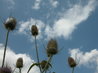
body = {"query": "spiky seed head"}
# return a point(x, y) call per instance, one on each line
point(52, 44)
point(51, 52)
point(19, 63)
point(10, 23)
point(5, 70)
point(72, 62)
point(52, 47)
point(34, 30)
point(43, 64)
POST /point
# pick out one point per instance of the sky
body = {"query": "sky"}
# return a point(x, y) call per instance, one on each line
point(73, 23)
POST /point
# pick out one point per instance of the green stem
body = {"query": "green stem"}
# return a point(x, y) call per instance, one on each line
point(45, 71)
point(73, 70)
point(14, 70)
point(7, 34)
point(49, 60)
point(19, 70)
point(37, 55)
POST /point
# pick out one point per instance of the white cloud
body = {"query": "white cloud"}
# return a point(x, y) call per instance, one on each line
point(65, 25)
point(36, 4)
point(54, 3)
point(11, 58)
point(88, 59)
point(10, 3)
point(69, 20)
point(25, 27)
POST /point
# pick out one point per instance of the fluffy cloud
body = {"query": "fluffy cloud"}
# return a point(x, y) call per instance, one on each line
point(65, 25)
point(11, 58)
point(88, 59)
point(54, 3)
point(69, 20)
point(36, 4)
point(25, 27)
point(10, 3)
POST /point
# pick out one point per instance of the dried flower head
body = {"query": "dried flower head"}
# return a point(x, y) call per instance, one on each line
point(5, 70)
point(19, 63)
point(10, 23)
point(72, 62)
point(52, 47)
point(43, 64)
point(34, 30)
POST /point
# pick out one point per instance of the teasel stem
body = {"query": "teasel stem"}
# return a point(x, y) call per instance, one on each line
point(14, 70)
point(48, 61)
point(7, 34)
point(45, 71)
point(19, 70)
point(37, 55)
point(73, 70)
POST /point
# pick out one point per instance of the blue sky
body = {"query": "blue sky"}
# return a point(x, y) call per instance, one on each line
point(72, 22)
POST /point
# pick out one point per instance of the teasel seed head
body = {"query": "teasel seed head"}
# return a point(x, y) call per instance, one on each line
point(5, 70)
point(43, 64)
point(34, 30)
point(10, 23)
point(52, 47)
point(19, 63)
point(72, 62)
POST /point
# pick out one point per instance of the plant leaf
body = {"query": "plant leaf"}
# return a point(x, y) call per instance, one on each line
point(32, 66)
point(50, 65)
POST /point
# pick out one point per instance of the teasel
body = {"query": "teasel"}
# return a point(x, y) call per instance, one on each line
point(52, 48)
point(34, 31)
point(45, 65)
point(10, 25)
point(72, 63)
point(5, 70)
point(19, 64)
